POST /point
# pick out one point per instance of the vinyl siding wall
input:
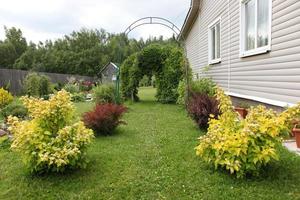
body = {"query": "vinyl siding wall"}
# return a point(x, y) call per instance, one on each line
point(273, 77)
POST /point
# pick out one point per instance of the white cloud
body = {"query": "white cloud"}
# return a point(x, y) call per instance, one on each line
point(51, 19)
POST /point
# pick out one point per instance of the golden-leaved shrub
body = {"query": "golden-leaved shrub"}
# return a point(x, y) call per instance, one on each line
point(243, 146)
point(50, 140)
point(5, 98)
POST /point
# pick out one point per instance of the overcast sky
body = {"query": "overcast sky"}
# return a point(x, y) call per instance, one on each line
point(50, 19)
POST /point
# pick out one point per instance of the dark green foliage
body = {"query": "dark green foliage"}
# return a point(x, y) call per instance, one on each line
point(37, 85)
point(168, 79)
point(204, 86)
point(16, 109)
point(12, 47)
point(15, 37)
point(30, 84)
point(150, 59)
point(82, 52)
point(165, 62)
point(104, 94)
point(8, 55)
point(58, 86)
point(130, 77)
point(44, 85)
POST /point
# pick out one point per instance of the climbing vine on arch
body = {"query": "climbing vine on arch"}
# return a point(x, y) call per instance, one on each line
point(165, 62)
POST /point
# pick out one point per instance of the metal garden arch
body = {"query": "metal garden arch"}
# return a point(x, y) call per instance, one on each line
point(163, 22)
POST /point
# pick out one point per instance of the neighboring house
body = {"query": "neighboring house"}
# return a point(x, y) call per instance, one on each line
point(252, 47)
point(109, 73)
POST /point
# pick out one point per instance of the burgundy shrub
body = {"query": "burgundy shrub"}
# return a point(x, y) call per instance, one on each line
point(200, 107)
point(104, 118)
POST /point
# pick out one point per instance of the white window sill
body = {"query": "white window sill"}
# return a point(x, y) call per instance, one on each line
point(216, 61)
point(262, 100)
point(254, 52)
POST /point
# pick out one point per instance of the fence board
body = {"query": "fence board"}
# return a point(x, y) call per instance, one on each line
point(16, 77)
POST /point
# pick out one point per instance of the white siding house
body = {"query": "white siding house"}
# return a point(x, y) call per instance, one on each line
point(252, 47)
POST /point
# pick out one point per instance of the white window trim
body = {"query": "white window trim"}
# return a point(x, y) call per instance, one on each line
point(218, 60)
point(256, 51)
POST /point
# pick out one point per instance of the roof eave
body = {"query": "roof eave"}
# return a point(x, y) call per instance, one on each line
point(190, 18)
point(113, 64)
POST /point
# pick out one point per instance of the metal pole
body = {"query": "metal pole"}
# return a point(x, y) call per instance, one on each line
point(186, 66)
point(118, 87)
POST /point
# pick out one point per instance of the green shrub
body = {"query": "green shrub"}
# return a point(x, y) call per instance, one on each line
point(5, 98)
point(16, 109)
point(31, 83)
point(50, 141)
point(204, 86)
point(58, 86)
point(172, 72)
point(37, 85)
point(130, 76)
point(244, 146)
point(78, 97)
point(145, 82)
point(45, 87)
point(104, 94)
point(72, 88)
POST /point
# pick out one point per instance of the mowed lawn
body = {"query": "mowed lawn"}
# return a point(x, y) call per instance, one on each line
point(152, 157)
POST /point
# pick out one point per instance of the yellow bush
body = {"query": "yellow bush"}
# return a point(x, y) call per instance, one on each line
point(243, 146)
point(5, 98)
point(50, 141)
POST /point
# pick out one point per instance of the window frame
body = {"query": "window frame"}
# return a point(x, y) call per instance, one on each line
point(256, 50)
point(210, 26)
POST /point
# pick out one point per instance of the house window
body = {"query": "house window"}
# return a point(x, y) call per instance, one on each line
point(214, 42)
point(255, 27)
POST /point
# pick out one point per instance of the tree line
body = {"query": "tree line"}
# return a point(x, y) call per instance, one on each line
point(82, 52)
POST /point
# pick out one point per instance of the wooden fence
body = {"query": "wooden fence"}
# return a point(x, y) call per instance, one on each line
point(15, 79)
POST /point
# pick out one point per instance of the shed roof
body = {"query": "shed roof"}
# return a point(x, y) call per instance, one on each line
point(108, 64)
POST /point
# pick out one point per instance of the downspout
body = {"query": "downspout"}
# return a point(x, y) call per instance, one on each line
point(229, 47)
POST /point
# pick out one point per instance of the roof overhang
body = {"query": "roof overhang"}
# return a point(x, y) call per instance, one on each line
point(190, 18)
point(110, 63)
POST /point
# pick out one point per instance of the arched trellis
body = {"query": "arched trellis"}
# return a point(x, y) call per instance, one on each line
point(166, 23)
point(153, 20)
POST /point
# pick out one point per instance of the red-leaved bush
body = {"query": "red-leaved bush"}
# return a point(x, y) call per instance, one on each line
point(104, 118)
point(201, 107)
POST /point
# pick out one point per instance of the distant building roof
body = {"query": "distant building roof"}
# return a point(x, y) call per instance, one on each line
point(108, 64)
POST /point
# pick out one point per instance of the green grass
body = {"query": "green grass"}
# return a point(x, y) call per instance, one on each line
point(152, 157)
point(1, 118)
